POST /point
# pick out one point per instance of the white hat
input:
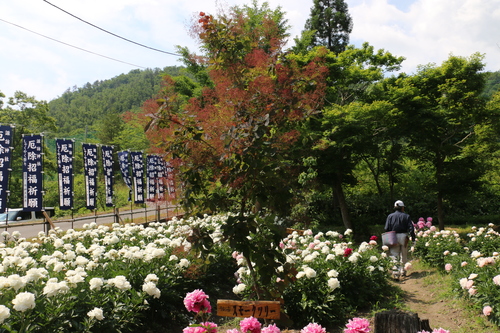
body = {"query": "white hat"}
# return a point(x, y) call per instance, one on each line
point(399, 203)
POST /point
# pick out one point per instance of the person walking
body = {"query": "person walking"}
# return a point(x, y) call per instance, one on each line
point(401, 223)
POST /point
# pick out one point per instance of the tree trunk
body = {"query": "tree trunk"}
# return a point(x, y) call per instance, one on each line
point(439, 183)
point(338, 192)
point(395, 321)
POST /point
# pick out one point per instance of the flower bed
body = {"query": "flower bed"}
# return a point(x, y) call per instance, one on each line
point(473, 261)
point(110, 279)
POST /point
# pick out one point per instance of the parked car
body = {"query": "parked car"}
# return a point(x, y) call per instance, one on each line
point(16, 215)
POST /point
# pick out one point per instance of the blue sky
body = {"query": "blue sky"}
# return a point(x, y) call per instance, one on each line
point(423, 31)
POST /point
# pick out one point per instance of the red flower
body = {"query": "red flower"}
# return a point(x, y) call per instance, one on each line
point(202, 13)
point(347, 252)
point(373, 238)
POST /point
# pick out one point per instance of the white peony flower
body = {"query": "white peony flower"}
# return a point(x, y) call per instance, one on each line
point(239, 288)
point(151, 278)
point(332, 273)
point(120, 282)
point(4, 313)
point(24, 301)
point(183, 263)
point(96, 313)
point(96, 283)
point(475, 254)
point(310, 273)
point(16, 282)
point(333, 283)
point(151, 289)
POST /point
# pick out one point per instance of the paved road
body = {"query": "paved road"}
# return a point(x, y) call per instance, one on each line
point(31, 230)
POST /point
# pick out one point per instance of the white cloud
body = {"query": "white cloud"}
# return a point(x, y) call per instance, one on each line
point(431, 30)
point(423, 31)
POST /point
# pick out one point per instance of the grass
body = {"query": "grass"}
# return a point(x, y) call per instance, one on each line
point(440, 286)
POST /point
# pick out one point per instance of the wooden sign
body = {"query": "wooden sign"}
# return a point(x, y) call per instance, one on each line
point(291, 231)
point(257, 309)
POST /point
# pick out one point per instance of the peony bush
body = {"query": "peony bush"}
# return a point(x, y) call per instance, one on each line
point(117, 278)
point(473, 261)
point(332, 278)
point(97, 279)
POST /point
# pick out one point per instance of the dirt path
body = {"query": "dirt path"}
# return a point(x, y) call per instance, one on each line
point(425, 294)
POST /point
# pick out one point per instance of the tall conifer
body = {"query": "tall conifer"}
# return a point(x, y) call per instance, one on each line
point(331, 23)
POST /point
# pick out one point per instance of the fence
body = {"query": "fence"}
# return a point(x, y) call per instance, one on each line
point(141, 215)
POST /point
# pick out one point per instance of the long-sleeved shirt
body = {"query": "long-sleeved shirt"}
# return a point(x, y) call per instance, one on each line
point(400, 222)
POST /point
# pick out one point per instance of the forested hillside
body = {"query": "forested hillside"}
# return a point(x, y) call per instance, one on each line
point(79, 109)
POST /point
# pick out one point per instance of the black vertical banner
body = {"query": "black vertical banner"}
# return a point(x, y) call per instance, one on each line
point(124, 162)
point(138, 172)
point(32, 173)
point(162, 181)
point(107, 164)
point(65, 149)
point(5, 162)
point(152, 174)
point(170, 180)
point(90, 172)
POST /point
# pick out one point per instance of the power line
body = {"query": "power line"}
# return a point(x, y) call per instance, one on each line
point(76, 47)
point(109, 32)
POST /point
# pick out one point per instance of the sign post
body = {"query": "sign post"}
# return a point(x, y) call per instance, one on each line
point(256, 309)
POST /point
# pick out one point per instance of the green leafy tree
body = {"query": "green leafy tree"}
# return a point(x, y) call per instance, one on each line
point(236, 141)
point(442, 112)
point(339, 135)
point(329, 25)
point(28, 116)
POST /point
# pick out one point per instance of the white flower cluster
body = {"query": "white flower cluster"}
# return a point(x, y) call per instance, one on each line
point(315, 256)
point(61, 264)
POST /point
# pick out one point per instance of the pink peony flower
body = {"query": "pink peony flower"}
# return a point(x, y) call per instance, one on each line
point(196, 301)
point(440, 330)
point(210, 327)
point(421, 219)
point(429, 219)
point(271, 329)
point(347, 252)
point(420, 224)
point(251, 325)
point(448, 267)
point(487, 310)
point(234, 330)
point(357, 325)
point(472, 291)
point(496, 280)
point(195, 329)
point(469, 284)
point(313, 328)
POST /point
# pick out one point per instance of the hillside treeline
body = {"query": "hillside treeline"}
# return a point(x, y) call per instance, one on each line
point(332, 137)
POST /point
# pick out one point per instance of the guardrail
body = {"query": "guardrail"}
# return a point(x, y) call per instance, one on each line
point(119, 215)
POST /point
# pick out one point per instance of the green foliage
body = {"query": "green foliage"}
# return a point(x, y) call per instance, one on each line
point(80, 109)
point(492, 85)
